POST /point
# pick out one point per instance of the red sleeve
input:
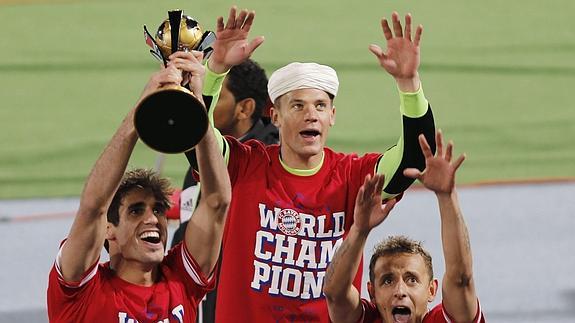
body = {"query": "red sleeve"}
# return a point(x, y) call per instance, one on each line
point(370, 313)
point(244, 157)
point(181, 262)
point(438, 314)
point(63, 295)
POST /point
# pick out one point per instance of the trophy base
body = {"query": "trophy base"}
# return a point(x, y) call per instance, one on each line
point(171, 120)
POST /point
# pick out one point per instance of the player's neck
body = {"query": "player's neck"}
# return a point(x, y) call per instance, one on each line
point(135, 272)
point(297, 161)
point(241, 129)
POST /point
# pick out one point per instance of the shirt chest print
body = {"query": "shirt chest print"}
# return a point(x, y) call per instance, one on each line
point(292, 251)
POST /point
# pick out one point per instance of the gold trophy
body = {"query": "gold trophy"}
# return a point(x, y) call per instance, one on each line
point(172, 120)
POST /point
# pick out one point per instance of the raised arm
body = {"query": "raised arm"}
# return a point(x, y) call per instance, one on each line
point(343, 299)
point(204, 232)
point(86, 237)
point(401, 60)
point(230, 48)
point(459, 297)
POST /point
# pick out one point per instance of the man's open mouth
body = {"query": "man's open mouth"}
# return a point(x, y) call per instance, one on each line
point(151, 237)
point(401, 314)
point(309, 133)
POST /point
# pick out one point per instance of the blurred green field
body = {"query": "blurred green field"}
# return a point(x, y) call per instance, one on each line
point(499, 75)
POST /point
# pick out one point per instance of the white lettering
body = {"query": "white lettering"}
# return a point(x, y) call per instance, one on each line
point(288, 282)
point(259, 245)
point(288, 250)
point(261, 274)
point(310, 283)
point(338, 222)
point(268, 219)
point(123, 318)
point(328, 249)
point(178, 312)
point(294, 265)
point(286, 279)
point(321, 233)
point(307, 253)
point(276, 275)
point(307, 225)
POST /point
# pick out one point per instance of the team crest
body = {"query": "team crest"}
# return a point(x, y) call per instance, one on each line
point(289, 222)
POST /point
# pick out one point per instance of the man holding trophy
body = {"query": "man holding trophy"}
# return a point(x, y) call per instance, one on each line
point(126, 213)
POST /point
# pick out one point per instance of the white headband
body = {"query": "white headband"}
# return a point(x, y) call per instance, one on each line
point(296, 76)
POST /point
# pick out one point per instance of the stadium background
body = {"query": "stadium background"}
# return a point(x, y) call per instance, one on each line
point(499, 75)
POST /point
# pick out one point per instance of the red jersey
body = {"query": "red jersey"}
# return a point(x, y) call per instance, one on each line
point(101, 296)
point(436, 315)
point(281, 233)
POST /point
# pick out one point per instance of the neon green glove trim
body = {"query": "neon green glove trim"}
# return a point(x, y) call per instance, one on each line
point(413, 105)
point(212, 87)
point(389, 164)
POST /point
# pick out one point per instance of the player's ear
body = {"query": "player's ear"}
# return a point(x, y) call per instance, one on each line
point(245, 108)
point(274, 115)
point(110, 231)
point(370, 291)
point(432, 290)
point(332, 116)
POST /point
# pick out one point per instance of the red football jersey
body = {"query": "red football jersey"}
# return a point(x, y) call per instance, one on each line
point(101, 296)
point(436, 315)
point(282, 232)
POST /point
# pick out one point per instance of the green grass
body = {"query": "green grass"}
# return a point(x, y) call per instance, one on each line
point(499, 76)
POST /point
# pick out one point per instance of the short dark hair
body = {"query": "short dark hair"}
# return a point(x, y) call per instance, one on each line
point(395, 245)
point(139, 178)
point(249, 80)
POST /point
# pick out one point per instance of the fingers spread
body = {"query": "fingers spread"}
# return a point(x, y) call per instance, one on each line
point(254, 43)
point(449, 151)
point(412, 173)
point(389, 205)
point(220, 24)
point(418, 33)
point(439, 142)
point(408, 26)
point(360, 195)
point(377, 51)
point(425, 149)
point(386, 30)
point(231, 23)
point(459, 161)
point(249, 21)
point(379, 184)
point(396, 25)
point(241, 18)
point(369, 186)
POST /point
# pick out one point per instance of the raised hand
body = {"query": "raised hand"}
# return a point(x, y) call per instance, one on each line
point(231, 46)
point(401, 59)
point(439, 172)
point(369, 211)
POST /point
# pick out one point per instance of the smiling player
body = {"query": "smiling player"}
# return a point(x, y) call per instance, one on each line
point(139, 283)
